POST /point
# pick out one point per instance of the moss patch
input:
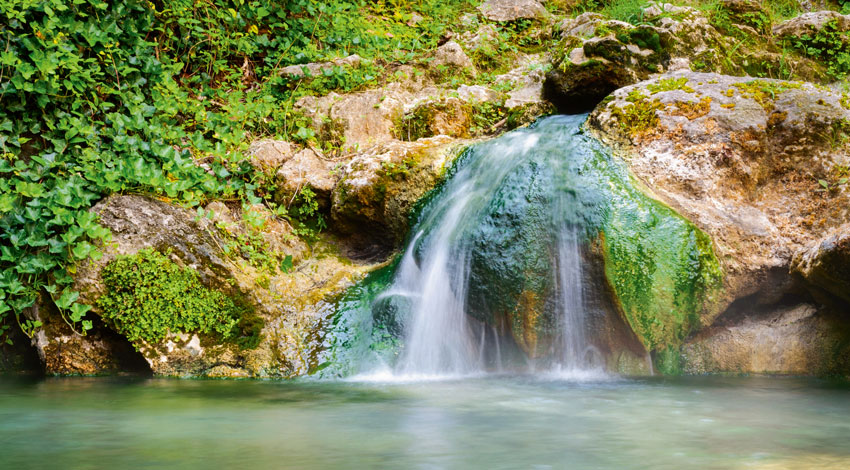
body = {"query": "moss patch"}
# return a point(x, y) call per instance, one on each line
point(764, 92)
point(149, 296)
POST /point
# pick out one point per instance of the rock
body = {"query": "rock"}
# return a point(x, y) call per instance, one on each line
point(740, 158)
point(477, 94)
point(314, 69)
point(810, 23)
point(597, 56)
point(825, 264)
point(379, 187)
point(268, 155)
point(306, 170)
point(512, 10)
point(289, 307)
point(527, 86)
point(798, 340)
point(451, 55)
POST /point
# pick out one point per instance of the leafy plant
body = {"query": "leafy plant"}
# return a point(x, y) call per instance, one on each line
point(160, 98)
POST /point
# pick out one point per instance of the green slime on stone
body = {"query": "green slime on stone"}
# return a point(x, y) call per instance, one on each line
point(660, 267)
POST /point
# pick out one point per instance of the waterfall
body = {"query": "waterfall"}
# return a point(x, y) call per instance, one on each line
point(445, 331)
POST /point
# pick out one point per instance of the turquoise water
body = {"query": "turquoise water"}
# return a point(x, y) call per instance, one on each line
point(502, 422)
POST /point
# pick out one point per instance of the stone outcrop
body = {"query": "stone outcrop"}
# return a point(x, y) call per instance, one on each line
point(512, 10)
point(811, 23)
point(798, 340)
point(378, 189)
point(825, 264)
point(290, 306)
point(745, 160)
point(597, 56)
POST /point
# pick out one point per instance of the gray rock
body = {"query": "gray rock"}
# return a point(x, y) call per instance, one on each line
point(315, 69)
point(809, 23)
point(306, 170)
point(512, 10)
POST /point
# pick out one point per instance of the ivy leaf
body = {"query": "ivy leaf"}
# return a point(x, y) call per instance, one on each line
point(67, 299)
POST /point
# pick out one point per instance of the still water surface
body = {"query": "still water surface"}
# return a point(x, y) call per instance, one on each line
point(490, 422)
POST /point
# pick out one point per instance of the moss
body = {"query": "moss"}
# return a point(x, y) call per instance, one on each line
point(845, 100)
point(765, 92)
point(662, 269)
point(149, 296)
point(668, 361)
point(670, 84)
point(639, 116)
point(693, 109)
point(645, 38)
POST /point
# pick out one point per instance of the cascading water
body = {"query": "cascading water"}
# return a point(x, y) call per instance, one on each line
point(433, 278)
point(513, 262)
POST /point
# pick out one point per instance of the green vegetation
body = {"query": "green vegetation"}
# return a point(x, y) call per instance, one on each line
point(829, 46)
point(764, 92)
point(639, 116)
point(161, 98)
point(148, 296)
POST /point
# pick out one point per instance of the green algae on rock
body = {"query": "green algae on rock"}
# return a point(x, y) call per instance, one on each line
point(660, 267)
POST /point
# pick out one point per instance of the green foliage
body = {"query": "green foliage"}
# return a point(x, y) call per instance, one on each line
point(828, 45)
point(160, 98)
point(148, 296)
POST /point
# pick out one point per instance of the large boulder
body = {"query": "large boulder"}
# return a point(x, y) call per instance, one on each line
point(746, 160)
point(283, 310)
point(378, 189)
point(741, 158)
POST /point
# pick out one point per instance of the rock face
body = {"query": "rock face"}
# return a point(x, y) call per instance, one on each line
point(512, 10)
point(742, 159)
point(597, 56)
point(797, 340)
point(825, 264)
point(306, 169)
point(378, 189)
point(809, 23)
point(290, 320)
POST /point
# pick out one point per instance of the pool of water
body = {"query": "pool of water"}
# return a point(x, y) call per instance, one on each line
point(502, 422)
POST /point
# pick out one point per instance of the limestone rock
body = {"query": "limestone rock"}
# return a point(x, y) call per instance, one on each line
point(290, 305)
point(741, 158)
point(268, 155)
point(306, 170)
point(512, 10)
point(597, 56)
point(825, 264)
point(809, 23)
point(315, 69)
point(797, 340)
point(378, 188)
point(451, 55)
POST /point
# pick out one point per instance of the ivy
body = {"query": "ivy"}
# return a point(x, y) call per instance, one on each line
point(159, 97)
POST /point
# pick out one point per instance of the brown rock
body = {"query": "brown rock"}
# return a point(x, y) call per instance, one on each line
point(797, 340)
